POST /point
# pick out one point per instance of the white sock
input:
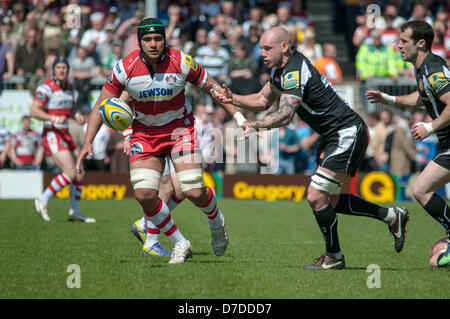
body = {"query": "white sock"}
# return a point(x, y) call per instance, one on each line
point(390, 218)
point(164, 222)
point(215, 218)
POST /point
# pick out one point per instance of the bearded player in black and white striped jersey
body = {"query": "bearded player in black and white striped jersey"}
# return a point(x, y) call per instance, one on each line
point(433, 83)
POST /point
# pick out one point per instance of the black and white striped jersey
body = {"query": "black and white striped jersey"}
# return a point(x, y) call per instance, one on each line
point(322, 108)
point(433, 79)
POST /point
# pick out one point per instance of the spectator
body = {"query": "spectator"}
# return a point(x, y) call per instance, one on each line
point(438, 46)
point(112, 58)
point(99, 6)
point(175, 22)
point(242, 70)
point(18, 17)
point(210, 8)
point(233, 37)
point(328, 66)
point(127, 9)
point(309, 47)
point(91, 51)
point(30, 59)
point(361, 35)
point(112, 18)
point(5, 146)
point(40, 14)
point(53, 32)
point(127, 32)
point(53, 51)
point(289, 146)
point(376, 156)
point(256, 16)
point(252, 41)
point(82, 70)
point(403, 152)
point(6, 63)
point(420, 13)
point(390, 35)
point(7, 35)
point(376, 60)
point(284, 16)
point(214, 58)
point(390, 13)
point(201, 39)
point(305, 159)
point(27, 151)
point(95, 33)
point(300, 15)
point(5, 8)
point(105, 48)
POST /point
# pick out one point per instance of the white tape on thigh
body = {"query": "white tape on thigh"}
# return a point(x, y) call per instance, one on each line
point(190, 179)
point(324, 182)
point(145, 178)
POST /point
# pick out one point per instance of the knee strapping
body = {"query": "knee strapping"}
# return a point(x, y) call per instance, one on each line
point(190, 179)
point(324, 182)
point(145, 178)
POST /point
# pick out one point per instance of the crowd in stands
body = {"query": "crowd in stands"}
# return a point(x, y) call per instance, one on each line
point(223, 36)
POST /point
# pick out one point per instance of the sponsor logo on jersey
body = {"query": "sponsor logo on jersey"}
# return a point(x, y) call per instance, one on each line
point(118, 68)
point(156, 92)
point(191, 62)
point(291, 80)
point(136, 148)
point(171, 79)
point(420, 85)
point(40, 96)
point(438, 81)
point(110, 78)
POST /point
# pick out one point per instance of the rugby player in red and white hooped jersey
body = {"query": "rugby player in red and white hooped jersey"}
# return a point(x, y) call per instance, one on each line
point(53, 103)
point(154, 78)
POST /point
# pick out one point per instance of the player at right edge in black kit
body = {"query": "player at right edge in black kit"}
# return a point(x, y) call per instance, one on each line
point(303, 90)
point(433, 79)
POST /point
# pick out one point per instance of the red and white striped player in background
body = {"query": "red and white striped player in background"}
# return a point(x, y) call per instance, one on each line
point(154, 78)
point(27, 152)
point(53, 103)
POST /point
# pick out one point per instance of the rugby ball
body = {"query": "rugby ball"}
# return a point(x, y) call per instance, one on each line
point(437, 250)
point(116, 114)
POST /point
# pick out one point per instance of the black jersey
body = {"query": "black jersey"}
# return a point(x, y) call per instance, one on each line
point(322, 108)
point(433, 79)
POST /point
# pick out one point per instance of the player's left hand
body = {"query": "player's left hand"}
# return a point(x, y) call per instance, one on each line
point(419, 132)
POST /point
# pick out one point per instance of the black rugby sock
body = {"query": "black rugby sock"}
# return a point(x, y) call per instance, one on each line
point(327, 220)
point(438, 209)
point(349, 204)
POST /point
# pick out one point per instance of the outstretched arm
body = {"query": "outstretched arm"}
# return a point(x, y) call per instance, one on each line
point(286, 111)
point(211, 86)
point(410, 101)
point(257, 102)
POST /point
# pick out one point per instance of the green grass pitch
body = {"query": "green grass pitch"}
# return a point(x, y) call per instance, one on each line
point(270, 242)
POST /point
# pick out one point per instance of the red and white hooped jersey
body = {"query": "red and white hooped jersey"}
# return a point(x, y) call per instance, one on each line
point(56, 100)
point(157, 99)
point(26, 145)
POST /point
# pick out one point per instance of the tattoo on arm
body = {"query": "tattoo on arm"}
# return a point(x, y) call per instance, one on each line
point(286, 110)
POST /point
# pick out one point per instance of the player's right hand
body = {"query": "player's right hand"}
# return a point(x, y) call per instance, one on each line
point(126, 147)
point(85, 151)
point(375, 97)
point(222, 94)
